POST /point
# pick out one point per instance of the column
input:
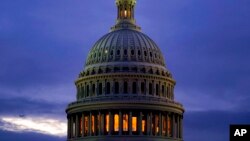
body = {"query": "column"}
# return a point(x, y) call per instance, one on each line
point(160, 89)
point(147, 87)
point(130, 123)
point(68, 128)
point(102, 123)
point(112, 87)
point(83, 124)
point(178, 126)
point(120, 123)
point(139, 87)
point(173, 126)
point(99, 123)
point(95, 124)
point(160, 124)
point(77, 125)
point(140, 123)
point(71, 127)
point(154, 88)
point(90, 115)
point(110, 123)
point(150, 126)
point(96, 88)
point(167, 119)
point(181, 127)
point(90, 89)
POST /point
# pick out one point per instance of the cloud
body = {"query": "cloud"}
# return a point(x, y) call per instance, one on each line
point(41, 125)
point(24, 136)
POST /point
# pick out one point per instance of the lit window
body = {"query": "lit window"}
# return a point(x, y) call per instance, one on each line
point(116, 123)
point(164, 128)
point(143, 125)
point(107, 123)
point(125, 122)
point(125, 13)
point(86, 127)
point(93, 124)
point(134, 124)
point(156, 124)
point(74, 129)
point(80, 126)
point(169, 126)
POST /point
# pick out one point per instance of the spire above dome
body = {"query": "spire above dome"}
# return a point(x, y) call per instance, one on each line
point(125, 10)
point(125, 15)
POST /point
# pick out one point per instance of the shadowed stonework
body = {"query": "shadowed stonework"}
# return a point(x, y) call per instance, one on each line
point(125, 92)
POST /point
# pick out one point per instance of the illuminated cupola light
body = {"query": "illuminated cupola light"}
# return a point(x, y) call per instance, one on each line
point(125, 10)
point(125, 15)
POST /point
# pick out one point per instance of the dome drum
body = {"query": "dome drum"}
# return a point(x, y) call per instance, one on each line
point(131, 124)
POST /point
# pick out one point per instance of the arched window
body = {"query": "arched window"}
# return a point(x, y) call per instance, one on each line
point(125, 87)
point(150, 89)
point(93, 89)
point(108, 88)
point(143, 88)
point(139, 52)
point(167, 91)
point(100, 89)
point(82, 91)
point(132, 52)
point(118, 52)
point(157, 89)
point(116, 87)
point(87, 90)
point(134, 88)
point(125, 52)
point(163, 91)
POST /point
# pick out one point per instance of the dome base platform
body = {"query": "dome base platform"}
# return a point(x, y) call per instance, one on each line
point(125, 138)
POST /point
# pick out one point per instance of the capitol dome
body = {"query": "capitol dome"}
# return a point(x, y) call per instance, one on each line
point(125, 92)
point(125, 45)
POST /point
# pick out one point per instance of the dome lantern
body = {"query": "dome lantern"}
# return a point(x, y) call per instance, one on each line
point(125, 15)
point(125, 10)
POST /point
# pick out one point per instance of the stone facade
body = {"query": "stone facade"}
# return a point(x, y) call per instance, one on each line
point(125, 91)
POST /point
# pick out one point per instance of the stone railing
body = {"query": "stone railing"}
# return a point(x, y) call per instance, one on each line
point(126, 98)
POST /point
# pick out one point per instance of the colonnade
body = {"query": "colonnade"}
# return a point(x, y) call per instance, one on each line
point(124, 122)
point(140, 87)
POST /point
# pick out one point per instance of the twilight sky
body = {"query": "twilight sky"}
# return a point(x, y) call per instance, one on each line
point(44, 44)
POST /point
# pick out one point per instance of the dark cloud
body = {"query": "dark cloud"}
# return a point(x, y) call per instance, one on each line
point(28, 107)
